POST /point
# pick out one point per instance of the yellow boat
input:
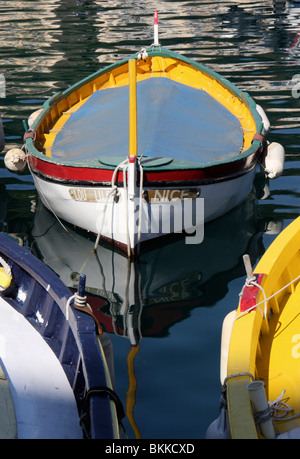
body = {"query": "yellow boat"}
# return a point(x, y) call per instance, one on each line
point(260, 351)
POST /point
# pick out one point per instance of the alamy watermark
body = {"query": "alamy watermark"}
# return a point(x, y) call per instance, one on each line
point(159, 218)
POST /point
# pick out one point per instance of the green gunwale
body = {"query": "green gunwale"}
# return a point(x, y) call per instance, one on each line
point(175, 164)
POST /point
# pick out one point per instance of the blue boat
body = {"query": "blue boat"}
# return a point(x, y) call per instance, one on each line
point(54, 375)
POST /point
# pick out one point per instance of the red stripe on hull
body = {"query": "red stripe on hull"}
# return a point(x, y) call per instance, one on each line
point(59, 172)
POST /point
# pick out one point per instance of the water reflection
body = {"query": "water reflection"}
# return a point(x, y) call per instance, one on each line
point(144, 299)
point(164, 285)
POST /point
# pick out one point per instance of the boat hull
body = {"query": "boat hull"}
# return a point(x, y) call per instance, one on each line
point(162, 208)
point(57, 350)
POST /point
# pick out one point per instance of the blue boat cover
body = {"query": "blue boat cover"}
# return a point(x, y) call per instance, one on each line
point(174, 121)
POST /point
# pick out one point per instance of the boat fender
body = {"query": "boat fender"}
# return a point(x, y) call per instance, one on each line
point(265, 121)
point(219, 429)
point(33, 117)
point(273, 160)
point(225, 340)
point(15, 160)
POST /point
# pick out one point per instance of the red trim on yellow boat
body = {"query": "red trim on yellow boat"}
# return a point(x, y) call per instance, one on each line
point(249, 297)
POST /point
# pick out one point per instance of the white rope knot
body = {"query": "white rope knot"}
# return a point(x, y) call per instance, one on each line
point(250, 282)
point(79, 301)
point(279, 409)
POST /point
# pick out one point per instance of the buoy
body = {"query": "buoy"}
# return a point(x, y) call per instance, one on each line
point(261, 408)
point(273, 160)
point(225, 340)
point(15, 160)
point(266, 122)
point(33, 117)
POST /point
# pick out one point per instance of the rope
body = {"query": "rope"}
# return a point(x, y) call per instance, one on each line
point(126, 207)
point(71, 298)
point(114, 192)
point(278, 406)
point(140, 202)
point(6, 267)
point(279, 410)
point(237, 375)
point(80, 302)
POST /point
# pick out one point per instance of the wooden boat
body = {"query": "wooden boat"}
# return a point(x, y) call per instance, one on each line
point(54, 378)
point(151, 145)
point(260, 346)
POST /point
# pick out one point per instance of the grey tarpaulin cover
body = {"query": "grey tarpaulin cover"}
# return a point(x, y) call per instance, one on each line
point(174, 121)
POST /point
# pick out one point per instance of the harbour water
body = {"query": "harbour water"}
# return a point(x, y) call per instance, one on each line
point(164, 314)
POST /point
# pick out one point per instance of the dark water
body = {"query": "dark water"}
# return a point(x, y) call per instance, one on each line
point(173, 302)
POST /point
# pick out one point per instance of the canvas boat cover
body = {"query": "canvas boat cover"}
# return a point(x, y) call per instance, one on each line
point(174, 121)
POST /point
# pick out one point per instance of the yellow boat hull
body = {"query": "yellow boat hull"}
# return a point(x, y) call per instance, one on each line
point(265, 343)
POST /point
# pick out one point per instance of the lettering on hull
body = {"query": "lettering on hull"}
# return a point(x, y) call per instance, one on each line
point(151, 196)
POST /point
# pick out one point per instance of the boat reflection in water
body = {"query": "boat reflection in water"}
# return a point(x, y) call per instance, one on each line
point(145, 297)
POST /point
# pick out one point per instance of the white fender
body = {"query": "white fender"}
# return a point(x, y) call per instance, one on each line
point(273, 160)
point(33, 117)
point(265, 120)
point(225, 340)
point(15, 160)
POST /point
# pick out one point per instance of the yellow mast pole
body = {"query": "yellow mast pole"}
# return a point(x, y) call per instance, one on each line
point(132, 108)
point(132, 157)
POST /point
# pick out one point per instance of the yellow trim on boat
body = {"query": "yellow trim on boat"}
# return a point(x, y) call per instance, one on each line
point(153, 66)
point(269, 347)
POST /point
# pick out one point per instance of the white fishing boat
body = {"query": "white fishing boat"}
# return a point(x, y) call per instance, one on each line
point(152, 145)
